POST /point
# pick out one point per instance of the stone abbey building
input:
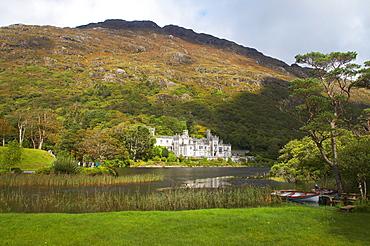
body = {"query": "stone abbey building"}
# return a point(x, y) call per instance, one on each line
point(211, 146)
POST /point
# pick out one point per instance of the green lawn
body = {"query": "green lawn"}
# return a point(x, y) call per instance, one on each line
point(289, 225)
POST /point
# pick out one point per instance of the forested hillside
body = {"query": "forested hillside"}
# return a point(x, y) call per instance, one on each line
point(76, 84)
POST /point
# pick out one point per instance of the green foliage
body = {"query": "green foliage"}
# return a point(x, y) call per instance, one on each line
point(16, 170)
point(355, 164)
point(11, 155)
point(172, 158)
point(322, 102)
point(300, 160)
point(117, 163)
point(362, 207)
point(44, 170)
point(97, 171)
point(2, 171)
point(65, 165)
point(137, 140)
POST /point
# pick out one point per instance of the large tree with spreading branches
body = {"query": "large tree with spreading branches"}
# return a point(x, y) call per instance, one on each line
point(321, 101)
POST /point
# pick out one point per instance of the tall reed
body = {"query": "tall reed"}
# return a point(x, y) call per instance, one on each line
point(73, 180)
point(104, 200)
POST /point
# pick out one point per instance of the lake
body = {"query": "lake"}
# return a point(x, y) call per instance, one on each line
point(79, 198)
point(203, 177)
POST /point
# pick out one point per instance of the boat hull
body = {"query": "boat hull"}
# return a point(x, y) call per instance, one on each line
point(326, 191)
point(299, 196)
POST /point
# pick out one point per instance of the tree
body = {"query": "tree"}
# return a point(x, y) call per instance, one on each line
point(364, 79)
point(323, 99)
point(363, 127)
point(300, 160)
point(5, 128)
point(97, 144)
point(356, 165)
point(21, 118)
point(43, 125)
point(136, 138)
point(12, 155)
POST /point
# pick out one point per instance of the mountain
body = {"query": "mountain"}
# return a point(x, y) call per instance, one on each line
point(202, 39)
point(170, 78)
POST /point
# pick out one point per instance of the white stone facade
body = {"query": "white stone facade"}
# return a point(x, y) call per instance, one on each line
point(211, 147)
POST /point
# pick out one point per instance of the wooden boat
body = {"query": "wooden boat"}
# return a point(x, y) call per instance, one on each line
point(326, 191)
point(298, 196)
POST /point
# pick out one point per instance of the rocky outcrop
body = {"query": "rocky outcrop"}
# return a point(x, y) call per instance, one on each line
point(201, 38)
point(122, 24)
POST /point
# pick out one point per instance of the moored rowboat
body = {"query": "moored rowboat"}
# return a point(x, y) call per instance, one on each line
point(298, 196)
point(326, 191)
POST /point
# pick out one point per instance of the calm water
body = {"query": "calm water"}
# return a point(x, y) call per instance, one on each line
point(200, 177)
point(208, 177)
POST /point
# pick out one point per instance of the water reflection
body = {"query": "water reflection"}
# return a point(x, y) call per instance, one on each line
point(207, 177)
point(218, 182)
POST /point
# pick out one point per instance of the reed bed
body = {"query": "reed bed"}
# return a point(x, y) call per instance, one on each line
point(73, 180)
point(103, 200)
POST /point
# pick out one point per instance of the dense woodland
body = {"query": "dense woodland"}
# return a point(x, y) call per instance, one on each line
point(88, 90)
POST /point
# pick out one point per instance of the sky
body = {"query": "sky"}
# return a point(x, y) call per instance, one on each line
point(278, 28)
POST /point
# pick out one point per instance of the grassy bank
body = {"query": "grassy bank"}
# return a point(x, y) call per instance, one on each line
point(291, 225)
point(33, 159)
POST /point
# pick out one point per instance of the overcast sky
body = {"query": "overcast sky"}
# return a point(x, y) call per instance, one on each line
point(277, 28)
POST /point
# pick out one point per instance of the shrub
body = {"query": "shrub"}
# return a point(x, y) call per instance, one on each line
point(2, 171)
point(15, 170)
point(98, 171)
point(172, 158)
point(65, 165)
point(12, 155)
point(44, 170)
point(156, 158)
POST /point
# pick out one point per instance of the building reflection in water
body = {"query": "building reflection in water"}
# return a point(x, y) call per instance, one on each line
point(208, 182)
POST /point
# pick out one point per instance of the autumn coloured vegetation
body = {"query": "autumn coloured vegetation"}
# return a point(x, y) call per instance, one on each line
point(86, 91)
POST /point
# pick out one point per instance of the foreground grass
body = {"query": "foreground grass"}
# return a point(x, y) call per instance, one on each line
point(289, 225)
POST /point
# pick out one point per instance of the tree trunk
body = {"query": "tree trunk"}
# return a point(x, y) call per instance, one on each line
point(40, 143)
point(333, 163)
point(20, 133)
point(338, 179)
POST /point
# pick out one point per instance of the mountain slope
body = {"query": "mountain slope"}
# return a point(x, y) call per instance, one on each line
point(203, 39)
point(103, 74)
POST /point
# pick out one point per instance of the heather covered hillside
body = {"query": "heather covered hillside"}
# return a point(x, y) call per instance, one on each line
point(98, 76)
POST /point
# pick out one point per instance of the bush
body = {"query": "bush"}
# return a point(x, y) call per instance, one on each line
point(2, 171)
point(15, 170)
point(118, 163)
point(363, 207)
point(98, 171)
point(172, 158)
point(65, 165)
point(44, 170)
